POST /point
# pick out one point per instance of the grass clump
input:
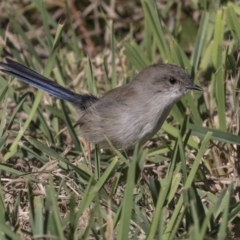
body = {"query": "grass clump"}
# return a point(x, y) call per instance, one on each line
point(190, 188)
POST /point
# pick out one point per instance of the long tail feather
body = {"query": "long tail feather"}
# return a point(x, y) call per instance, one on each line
point(37, 80)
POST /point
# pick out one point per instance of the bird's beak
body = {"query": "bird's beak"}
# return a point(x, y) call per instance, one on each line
point(194, 87)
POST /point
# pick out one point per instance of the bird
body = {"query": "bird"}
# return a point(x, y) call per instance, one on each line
point(127, 115)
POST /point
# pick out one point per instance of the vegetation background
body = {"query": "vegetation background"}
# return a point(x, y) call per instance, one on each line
point(191, 168)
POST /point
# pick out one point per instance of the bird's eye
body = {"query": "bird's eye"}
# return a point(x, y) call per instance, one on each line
point(172, 80)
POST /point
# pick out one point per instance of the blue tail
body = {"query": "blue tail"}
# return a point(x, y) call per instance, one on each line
point(39, 81)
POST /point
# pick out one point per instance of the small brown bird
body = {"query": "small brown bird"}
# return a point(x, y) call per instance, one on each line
point(126, 115)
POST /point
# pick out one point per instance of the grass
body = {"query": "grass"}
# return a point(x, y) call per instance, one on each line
point(190, 188)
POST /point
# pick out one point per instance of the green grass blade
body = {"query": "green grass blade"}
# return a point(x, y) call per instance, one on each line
point(217, 135)
point(200, 42)
point(124, 223)
point(154, 23)
point(47, 70)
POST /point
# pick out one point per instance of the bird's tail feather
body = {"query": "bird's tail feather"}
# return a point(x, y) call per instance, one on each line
point(37, 80)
